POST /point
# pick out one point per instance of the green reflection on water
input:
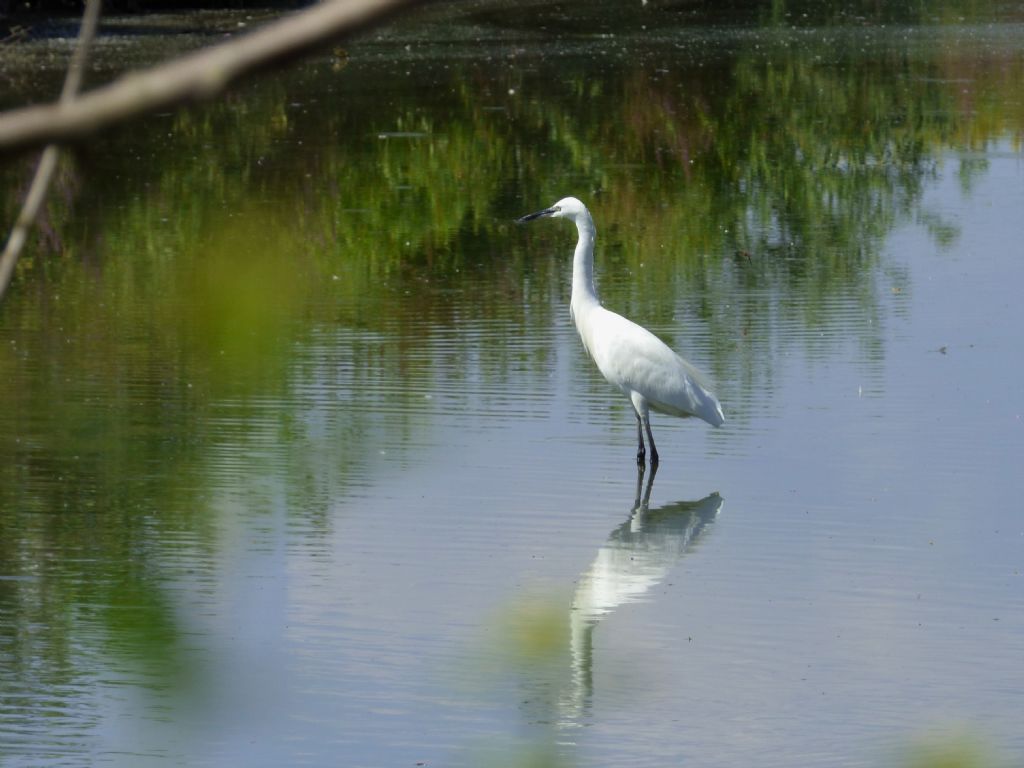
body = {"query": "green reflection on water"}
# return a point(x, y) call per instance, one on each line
point(184, 262)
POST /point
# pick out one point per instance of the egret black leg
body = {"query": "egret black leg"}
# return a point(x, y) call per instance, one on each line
point(641, 455)
point(650, 439)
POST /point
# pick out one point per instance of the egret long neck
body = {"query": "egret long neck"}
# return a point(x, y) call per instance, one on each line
point(583, 292)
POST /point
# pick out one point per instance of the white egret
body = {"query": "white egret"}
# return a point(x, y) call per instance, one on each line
point(629, 356)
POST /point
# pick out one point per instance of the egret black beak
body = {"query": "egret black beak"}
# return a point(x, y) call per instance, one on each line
point(537, 215)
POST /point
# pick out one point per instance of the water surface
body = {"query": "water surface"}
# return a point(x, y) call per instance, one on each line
point(301, 460)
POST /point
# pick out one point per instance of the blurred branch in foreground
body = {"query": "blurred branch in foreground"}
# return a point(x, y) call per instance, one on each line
point(48, 160)
point(193, 77)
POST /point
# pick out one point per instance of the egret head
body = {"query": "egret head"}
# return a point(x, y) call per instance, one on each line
point(566, 208)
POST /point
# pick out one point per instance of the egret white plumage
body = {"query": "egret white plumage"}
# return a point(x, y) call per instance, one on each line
point(629, 356)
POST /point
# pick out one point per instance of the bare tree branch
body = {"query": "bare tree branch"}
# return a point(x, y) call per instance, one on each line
point(76, 69)
point(48, 161)
point(196, 76)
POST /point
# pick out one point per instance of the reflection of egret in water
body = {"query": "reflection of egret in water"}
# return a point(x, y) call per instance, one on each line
point(636, 557)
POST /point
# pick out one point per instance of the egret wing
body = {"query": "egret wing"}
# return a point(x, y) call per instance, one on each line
point(635, 360)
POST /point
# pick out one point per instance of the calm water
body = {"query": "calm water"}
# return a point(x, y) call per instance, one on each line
point(302, 463)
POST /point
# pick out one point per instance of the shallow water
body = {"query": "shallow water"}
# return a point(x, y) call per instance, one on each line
point(301, 460)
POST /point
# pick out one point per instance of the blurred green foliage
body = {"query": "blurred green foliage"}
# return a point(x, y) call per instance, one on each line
point(955, 748)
